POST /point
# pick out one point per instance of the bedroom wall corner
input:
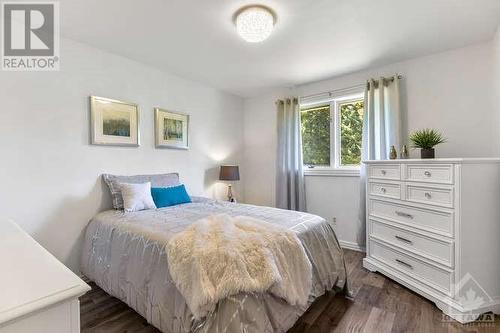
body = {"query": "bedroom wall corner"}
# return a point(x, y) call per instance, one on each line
point(259, 167)
point(50, 174)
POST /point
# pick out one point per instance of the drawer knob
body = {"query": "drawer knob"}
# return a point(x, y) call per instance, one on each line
point(403, 239)
point(383, 172)
point(427, 173)
point(403, 214)
point(401, 262)
point(428, 195)
point(383, 190)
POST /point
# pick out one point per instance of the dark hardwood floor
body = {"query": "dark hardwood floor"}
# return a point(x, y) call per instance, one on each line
point(379, 305)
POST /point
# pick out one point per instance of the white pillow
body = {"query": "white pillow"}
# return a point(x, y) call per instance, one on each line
point(137, 197)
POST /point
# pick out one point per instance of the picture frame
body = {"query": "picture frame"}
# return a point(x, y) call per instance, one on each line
point(171, 129)
point(114, 122)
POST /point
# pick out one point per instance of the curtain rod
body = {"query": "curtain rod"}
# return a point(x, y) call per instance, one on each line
point(390, 78)
point(288, 100)
point(361, 85)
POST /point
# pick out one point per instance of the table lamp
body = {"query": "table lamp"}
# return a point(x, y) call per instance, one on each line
point(229, 173)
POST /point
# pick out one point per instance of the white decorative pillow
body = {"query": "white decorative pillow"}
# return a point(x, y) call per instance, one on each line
point(137, 197)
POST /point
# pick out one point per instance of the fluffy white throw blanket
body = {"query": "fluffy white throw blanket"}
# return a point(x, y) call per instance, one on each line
point(220, 256)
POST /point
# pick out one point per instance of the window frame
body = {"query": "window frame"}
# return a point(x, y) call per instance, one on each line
point(335, 168)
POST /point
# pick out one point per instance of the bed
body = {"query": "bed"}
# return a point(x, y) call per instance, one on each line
point(124, 254)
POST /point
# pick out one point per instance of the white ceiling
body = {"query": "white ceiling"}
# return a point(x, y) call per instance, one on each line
point(313, 39)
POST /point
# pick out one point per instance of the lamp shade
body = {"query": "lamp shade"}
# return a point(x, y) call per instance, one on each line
point(229, 172)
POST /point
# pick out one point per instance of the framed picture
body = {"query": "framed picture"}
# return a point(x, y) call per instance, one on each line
point(171, 129)
point(113, 123)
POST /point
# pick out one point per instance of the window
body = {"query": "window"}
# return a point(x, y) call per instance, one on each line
point(315, 125)
point(331, 133)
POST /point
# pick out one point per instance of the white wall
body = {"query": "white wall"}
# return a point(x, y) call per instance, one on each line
point(496, 86)
point(49, 174)
point(260, 137)
point(336, 197)
point(449, 91)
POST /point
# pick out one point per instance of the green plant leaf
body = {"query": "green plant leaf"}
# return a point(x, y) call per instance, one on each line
point(426, 138)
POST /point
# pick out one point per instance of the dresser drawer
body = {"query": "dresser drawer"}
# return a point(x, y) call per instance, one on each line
point(388, 190)
point(439, 196)
point(426, 219)
point(431, 275)
point(439, 173)
point(439, 250)
point(385, 171)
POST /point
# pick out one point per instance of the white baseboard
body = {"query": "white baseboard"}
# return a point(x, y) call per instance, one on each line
point(351, 246)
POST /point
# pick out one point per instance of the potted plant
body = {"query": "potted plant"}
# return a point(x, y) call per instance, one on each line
point(426, 139)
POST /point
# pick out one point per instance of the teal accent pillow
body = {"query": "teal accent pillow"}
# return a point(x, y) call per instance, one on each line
point(169, 196)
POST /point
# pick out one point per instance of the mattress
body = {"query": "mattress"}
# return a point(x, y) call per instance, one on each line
point(124, 254)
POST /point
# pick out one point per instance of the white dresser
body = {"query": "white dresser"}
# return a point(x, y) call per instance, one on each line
point(37, 292)
point(434, 227)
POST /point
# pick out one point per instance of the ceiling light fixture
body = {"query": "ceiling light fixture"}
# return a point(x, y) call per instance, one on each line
point(254, 23)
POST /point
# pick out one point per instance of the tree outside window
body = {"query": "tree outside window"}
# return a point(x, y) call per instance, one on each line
point(315, 124)
point(351, 130)
point(332, 133)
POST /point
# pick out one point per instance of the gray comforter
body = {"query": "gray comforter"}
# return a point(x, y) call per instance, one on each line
point(124, 253)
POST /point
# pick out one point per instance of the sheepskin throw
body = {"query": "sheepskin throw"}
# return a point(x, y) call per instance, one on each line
point(220, 256)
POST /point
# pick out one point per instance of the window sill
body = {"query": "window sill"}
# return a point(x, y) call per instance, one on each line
point(332, 172)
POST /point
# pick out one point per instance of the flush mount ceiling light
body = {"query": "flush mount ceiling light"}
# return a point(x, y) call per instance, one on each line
point(254, 23)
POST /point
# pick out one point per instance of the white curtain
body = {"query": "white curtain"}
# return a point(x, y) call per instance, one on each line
point(290, 187)
point(382, 128)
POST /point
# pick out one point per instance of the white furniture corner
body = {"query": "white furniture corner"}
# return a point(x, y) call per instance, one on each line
point(434, 227)
point(38, 293)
